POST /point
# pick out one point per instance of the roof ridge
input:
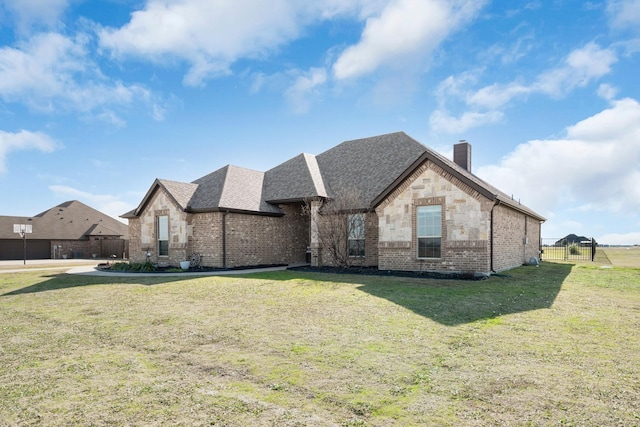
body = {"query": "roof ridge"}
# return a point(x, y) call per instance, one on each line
point(316, 174)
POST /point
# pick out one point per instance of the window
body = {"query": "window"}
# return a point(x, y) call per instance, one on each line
point(429, 221)
point(355, 226)
point(163, 235)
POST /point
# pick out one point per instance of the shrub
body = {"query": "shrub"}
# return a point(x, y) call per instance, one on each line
point(133, 266)
point(574, 249)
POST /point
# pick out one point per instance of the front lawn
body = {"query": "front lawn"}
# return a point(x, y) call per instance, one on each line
point(551, 345)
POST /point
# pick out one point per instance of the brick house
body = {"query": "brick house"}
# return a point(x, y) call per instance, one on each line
point(70, 229)
point(418, 210)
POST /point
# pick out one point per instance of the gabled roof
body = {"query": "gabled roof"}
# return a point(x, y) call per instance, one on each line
point(481, 186)
point(180, 193)
point(370, 167)
point(70, 220)
point(231, 188)
point(294, 180)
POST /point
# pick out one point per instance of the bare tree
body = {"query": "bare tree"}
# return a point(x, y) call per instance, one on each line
point(338, 227)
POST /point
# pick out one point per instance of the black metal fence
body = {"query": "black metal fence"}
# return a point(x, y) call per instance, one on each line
point(564, 249)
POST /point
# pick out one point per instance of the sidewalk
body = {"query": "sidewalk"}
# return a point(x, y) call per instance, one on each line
point(92, 271)
point(87, 267)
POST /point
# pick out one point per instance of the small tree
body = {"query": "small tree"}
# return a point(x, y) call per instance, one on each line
point(338, 224)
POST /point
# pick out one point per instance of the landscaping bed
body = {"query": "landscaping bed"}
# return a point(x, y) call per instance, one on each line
point(374, 271)
point(148, 267)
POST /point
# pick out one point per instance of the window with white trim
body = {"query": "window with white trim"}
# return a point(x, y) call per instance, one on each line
point(429, 231)
point(355, 226)
point(163, 235)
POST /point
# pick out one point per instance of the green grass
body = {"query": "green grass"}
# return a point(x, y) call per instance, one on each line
point(552, 345)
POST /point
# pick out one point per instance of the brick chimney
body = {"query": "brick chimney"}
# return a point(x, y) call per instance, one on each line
point(462, 154)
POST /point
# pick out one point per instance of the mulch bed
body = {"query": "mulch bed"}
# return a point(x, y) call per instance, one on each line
point(374, 271)
point(173, 269)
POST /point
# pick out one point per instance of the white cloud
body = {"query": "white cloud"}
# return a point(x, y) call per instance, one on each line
point(210, 35)
point(606, 91)
point(497, 95)
point(23, 140)
point(632, 238)
point(624, 13)
point(442, 121)
point(594, 166)
point(51, 72)
point(28, 13)
point(404, 29)
point(304, 88)
point(109, 204)
point(581, 67)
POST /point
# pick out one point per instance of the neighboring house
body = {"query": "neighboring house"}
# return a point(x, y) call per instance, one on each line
point(71, 230)
point(421, 211)
point(571, 239)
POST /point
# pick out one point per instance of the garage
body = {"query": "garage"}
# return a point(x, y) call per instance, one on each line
point(13, 249)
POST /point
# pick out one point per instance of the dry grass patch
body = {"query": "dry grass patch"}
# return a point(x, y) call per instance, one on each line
point(624, 256)
point(551, 345)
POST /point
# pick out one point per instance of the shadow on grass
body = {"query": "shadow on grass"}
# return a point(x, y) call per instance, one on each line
point(53, 282)
point(449, 302)
point(455, 302)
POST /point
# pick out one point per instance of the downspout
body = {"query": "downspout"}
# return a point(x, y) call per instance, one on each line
point(224, 239)
point(495, 203)
point(525, 241)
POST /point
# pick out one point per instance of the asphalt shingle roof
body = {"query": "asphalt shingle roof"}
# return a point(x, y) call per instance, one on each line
point(70, 220)
point(369, 167)
point(295, 179)
point(232, 188)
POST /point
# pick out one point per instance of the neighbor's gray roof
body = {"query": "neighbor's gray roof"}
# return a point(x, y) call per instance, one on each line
point(70, 220)
point(371, 167)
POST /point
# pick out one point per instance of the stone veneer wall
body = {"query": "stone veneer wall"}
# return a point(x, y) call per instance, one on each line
point(143, 231)
point(465, 224)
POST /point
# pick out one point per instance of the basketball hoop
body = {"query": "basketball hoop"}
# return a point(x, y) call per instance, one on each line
point(23, 230)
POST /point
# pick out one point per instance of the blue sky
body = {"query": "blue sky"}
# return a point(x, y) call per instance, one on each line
point(98, 98)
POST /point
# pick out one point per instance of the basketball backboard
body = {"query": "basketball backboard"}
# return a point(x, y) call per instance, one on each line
point(22, 228)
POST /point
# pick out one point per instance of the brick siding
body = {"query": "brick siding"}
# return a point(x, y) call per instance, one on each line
point(516, 238)
point(250, 239)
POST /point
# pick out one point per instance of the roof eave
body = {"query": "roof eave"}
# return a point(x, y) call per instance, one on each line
point(232, 210)
point(519, 207)
point(423, 158)
point(143, 204)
